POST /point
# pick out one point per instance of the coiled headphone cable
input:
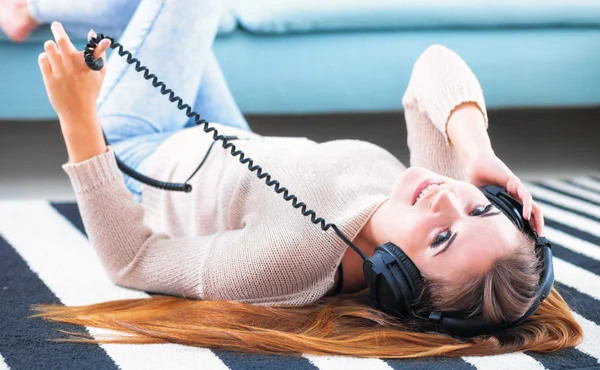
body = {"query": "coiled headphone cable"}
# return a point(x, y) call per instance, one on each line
point(98, 64)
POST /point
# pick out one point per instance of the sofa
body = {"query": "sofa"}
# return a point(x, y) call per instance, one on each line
point(342, 56)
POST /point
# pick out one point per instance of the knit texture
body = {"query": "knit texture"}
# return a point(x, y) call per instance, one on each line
point(235, 238)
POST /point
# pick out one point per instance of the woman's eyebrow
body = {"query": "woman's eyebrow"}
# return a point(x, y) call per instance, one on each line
point(487, 211)
point(489, 214)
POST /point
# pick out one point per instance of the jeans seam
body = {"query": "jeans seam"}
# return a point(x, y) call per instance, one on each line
point(111, 89)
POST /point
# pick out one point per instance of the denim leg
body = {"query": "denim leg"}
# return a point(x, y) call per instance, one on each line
point(173, 39)
point(214, 102)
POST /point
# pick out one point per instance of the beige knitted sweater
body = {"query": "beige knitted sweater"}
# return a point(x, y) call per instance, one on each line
point(233, 237)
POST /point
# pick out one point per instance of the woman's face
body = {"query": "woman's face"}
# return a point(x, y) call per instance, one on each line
point(447, 230)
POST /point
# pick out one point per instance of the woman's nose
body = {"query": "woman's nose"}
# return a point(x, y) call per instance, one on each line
point(445, 201)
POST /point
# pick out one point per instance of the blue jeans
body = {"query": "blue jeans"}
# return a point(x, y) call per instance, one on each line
point(173, 39)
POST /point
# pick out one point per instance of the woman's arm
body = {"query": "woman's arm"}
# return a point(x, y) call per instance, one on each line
point(73, 89)
point(440, 82)
point(133, 254)
point(444, 92)
point(83, 136)
point(467, 132)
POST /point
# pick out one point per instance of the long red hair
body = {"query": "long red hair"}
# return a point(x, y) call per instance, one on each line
point(346, 325)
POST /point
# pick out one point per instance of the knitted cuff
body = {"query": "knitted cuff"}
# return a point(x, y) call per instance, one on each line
point(94, 172)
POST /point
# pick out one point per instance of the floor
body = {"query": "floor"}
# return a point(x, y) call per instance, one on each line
point(535, 144)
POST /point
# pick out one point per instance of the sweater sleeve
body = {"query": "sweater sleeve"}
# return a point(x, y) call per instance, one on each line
point(440, 81)
point(133, 255)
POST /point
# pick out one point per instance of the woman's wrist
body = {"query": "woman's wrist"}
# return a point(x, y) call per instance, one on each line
point(83, 137)
point(467, 132)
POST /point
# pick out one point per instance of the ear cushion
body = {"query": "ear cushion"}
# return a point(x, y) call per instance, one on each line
point(393, 279)
point(408, 270)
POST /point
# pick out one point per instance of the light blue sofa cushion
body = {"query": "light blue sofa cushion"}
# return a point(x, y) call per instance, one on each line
point(369, 71)
point(362, 71)
point(277, 16)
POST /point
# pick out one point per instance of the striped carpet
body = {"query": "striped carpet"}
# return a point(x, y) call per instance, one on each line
point(45, 257)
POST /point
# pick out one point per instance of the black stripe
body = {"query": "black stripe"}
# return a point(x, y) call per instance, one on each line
point(243, 361)
point(24, 342)
point(435, 363)
point(582, 186)
point(568, 358)
point(576, 259)
point(572, 231)
point(70, 211)
point(581, 303)
point(549, 187)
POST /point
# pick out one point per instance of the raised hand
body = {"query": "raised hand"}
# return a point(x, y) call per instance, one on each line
point(72, 86)
point(488, 169)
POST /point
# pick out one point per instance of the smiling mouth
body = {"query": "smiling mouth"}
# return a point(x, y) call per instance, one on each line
point(424, 189)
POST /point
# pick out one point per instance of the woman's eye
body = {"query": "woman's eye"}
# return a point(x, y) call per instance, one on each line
point(479, 210)
point(441, 237)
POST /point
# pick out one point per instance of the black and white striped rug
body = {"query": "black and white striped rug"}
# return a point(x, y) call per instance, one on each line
point(45, 257)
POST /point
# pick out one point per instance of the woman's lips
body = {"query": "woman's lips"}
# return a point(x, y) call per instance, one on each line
point(419, 189)
point(422, 186)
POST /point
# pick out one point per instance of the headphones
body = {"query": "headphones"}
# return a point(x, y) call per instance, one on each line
point(393, 279)
point(395, 282)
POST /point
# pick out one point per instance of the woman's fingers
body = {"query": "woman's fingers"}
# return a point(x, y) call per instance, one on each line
point(65, 46)
point(44, 66)
point(56, 62)
point(103, 45)
point(101, 49)
point(516, 188)
point(62, 39)
point(527, 200)
point(538, 219)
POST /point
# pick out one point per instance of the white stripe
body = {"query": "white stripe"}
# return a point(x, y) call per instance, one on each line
point(585, 194)
point(575, 244)
point(64, 259)
point(3, 365)
point(577, 278)
point(347, 363)
point(570, 219)
point(508, 361)
point(564, 200)
point(591, 336)
point(587, 182)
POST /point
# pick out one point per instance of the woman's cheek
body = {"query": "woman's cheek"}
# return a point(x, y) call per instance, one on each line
point(408, 236)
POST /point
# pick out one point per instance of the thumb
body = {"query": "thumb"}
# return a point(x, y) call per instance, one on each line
point(101, 49)
point(103, 45)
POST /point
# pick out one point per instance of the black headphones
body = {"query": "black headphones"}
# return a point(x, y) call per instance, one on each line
point(395, 282)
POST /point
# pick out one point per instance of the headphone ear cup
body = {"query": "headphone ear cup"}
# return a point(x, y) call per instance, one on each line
point(409, 270)
point(394, 280)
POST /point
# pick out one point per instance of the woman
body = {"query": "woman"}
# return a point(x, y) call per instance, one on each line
point(262, 277)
